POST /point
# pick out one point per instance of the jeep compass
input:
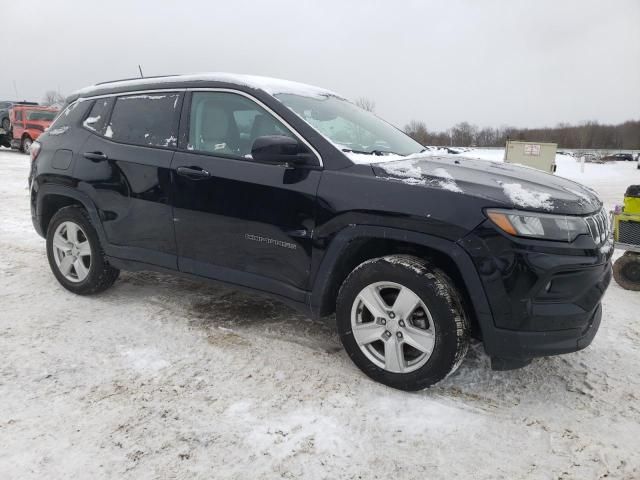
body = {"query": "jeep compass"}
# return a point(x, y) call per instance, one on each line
point(292, 191)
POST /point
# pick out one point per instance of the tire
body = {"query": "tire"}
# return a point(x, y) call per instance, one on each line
point(437, 322)
point(6, 124)
point(626, 271)
point(94, 274)
point(25, 145)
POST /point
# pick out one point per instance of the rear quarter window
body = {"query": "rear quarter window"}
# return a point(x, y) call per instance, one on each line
point(97, 117)
point(69, 117)
point(145, 119)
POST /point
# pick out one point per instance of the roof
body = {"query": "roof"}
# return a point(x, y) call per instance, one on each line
point(270, 85)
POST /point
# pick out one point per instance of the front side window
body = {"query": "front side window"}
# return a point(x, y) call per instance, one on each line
point(228, 124)
point(145, 119)
point(351, 128)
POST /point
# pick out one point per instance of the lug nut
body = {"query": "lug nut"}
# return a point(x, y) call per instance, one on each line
point(399, 334)
point(392, 315)
point(387, 334)
point(383, 321)
point(401, 323)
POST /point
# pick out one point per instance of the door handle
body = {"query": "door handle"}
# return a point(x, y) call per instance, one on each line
point(195, 173)
point(96, 156)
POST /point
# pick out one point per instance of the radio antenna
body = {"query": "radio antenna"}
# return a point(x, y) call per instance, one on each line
point(140, 68)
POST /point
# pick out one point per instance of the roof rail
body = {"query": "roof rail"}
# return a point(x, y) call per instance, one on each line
point(135, 78)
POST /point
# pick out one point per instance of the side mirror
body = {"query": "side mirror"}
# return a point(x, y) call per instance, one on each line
point(279, 149)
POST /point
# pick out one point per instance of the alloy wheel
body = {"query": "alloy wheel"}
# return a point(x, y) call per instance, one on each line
point(71, 251)
point(393, 327)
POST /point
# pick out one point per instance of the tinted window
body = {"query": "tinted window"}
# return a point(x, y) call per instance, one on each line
point(98, 115)
point(4, 105)
point(148, 119)
point(228, 123)
point(18, 115)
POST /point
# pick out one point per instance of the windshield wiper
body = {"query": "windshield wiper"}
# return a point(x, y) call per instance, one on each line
point(356, 151)
point(385, 152)
point(372, 152)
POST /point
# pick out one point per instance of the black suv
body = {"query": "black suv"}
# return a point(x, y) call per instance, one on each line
point(292, 191)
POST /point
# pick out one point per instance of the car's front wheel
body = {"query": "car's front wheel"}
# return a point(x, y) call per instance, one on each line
point(6, 124)
point(401, 321)
point(75, 254)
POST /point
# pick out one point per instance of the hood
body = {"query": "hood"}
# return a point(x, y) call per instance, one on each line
point(501, 184)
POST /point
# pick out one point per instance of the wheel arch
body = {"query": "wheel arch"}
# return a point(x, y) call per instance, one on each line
point(51, 198)
point(354, 245)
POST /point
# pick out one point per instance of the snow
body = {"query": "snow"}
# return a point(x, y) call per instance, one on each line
point(91, 121)
point(58, 131)
point(161, 377)
point(525, 198)
point(270, 85)
point(447, 182)
point(411, 173)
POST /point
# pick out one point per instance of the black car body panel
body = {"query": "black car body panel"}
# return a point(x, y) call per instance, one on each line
point(292, 231)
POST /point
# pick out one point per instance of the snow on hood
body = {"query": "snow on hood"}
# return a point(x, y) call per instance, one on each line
point(273, 86)
point(505, 185)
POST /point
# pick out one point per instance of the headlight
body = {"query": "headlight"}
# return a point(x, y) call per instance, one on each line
point(539, 225)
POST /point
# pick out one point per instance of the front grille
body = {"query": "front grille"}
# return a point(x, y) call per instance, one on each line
point(629, 232)
point(599, 226)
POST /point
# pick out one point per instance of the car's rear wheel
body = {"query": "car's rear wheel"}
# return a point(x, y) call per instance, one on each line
point(401, 321)
point(6, 124)
point(26, 145)
point(75, 254)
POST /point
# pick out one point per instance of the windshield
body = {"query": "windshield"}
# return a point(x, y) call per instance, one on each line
point(351, 128)
point(41, 115)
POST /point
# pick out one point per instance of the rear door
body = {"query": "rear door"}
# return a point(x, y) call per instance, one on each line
point(236, 219)
point(125, 169)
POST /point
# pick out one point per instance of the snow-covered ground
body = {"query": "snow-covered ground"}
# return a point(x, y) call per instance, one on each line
point(165, 378)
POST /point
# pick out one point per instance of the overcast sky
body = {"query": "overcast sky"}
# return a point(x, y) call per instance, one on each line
point(521, 63)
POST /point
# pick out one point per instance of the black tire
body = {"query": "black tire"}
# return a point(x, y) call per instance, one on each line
point(6, 124)
point(25, 144)
point(626, 271)
point(101, 275)
point(438, 293)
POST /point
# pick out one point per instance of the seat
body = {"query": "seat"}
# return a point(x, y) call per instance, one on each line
point(215, 130)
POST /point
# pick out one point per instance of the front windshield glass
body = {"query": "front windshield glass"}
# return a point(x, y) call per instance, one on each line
point(351, 128)
point(41, 115)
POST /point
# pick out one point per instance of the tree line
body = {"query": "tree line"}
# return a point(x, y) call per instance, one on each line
point(623, 136)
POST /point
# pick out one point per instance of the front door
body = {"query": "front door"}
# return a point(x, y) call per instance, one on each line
point(236, 219)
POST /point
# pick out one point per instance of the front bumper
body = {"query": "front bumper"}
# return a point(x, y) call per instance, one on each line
point(545, 297)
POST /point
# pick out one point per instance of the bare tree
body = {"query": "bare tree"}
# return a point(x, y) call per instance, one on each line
point(366, 104)
point(53, 98)
point(418, 131)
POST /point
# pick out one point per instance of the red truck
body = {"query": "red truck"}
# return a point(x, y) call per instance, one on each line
point(27, 123)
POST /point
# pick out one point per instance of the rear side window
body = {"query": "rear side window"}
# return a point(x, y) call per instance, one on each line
point(97, 117)
point(149, 120)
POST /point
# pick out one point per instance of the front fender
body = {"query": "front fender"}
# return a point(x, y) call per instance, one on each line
point(338, 246)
